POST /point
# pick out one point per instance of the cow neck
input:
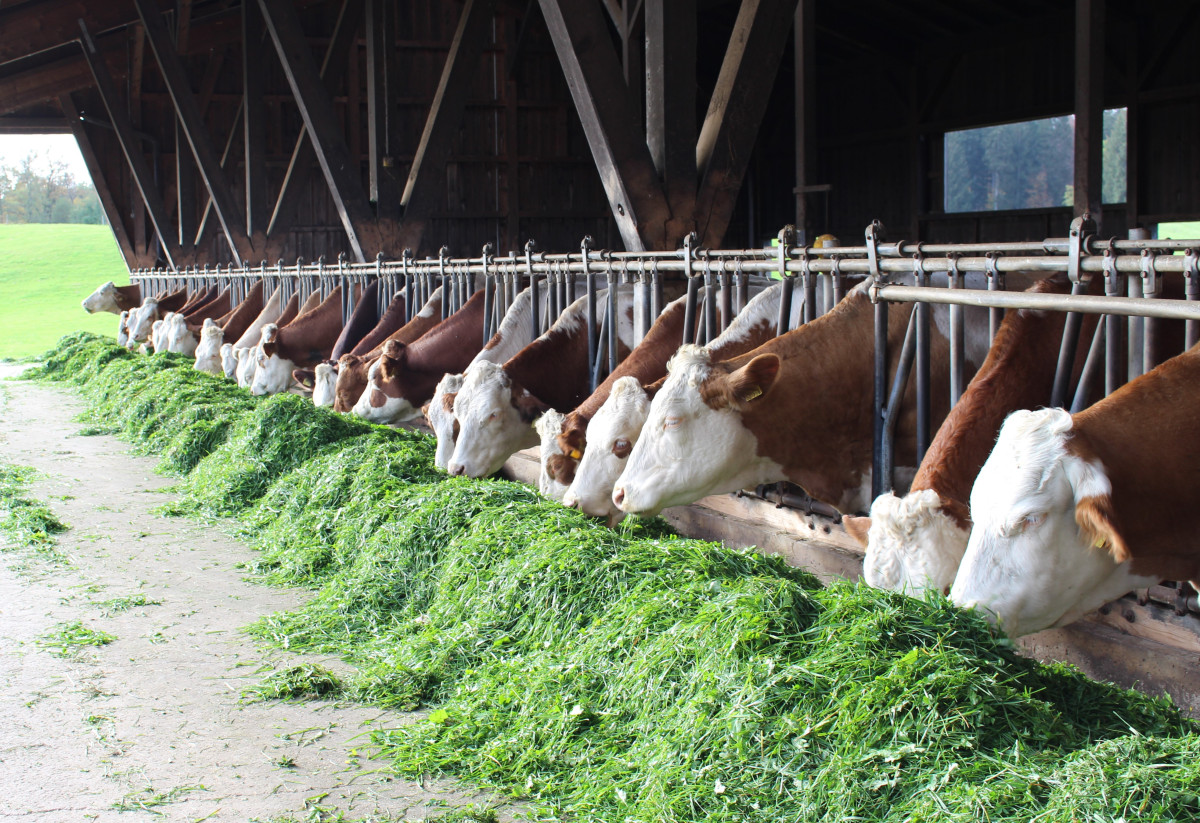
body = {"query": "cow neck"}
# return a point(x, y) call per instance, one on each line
point(1018, 373)
point(816, 421)
point(418, 327)
point(392, 319)
point(1144, 434)
point(553, 368)
point(514, 326)
point(128, 297)
point(310, 337)
point(240, 318)
point(290, 311)
point(196, 300)
point(172, 302)
point(212, 309)
point(364, 318)
point(451, 344)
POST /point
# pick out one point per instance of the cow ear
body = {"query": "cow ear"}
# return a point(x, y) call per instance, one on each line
point(561, 468)
point(573, 438)
point(448, 401)
point(529, 407)
point(305, 377)
point(1098, 524)
point(395, 350)
point(754, 379)
point(857, 527)
point(958, 511)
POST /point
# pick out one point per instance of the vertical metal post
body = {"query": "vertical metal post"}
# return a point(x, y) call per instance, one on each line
point(489, 297)
point(995, 282)
point(614, 305)
point(693, 286)
point(533, 291)
point(1114, 374)
point(592, 327)
point(727, 313)
point(924, 392)
point(1091, 366)
point(838, 281)
point(878, 480)
point(656, 289)
point(648, 317)
point(442, 252)
point(787, 283)
point(743, 287)
point(958, 381)
point(809, 282)
point(1151, 287)
point(710, 305)
point(1191, 292)
point(1135, 347)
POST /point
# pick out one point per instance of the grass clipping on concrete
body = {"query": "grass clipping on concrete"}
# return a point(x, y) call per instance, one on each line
point(634, 675)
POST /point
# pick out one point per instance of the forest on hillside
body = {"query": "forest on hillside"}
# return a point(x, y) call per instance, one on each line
point(1027, 165)
point(31, 195)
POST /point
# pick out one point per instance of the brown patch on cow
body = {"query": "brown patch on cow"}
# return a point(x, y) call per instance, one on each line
point(528, 406)
point(572, 440)
point(448, 402)
point(857, 527)
point(1097, 522)
point(305, 377)
point(957, 510)
point(561, 468)
point(377, 398)
point(457, 429)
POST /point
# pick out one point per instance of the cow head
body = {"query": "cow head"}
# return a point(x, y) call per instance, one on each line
point(102, 299)
point(611, 434)
point(383, 399)
point(694, 442)
point(228, 361)
point(495, 418)
point(273, 372)
point(351, 380)
point(247, 366)
point(1044, 547)
point(180, 338)
point(548, 428)
point(324, 383)
point(572, 440)
point(439, 413)
point(141, 320)
point(157, 341)
point(305, 378)
point(208, 352)
point(123, 329)
point(914, 543)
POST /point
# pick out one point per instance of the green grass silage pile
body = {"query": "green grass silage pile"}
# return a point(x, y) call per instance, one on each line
point(636, 675)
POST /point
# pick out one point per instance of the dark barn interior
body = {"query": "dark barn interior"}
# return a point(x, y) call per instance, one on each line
point(301, 128)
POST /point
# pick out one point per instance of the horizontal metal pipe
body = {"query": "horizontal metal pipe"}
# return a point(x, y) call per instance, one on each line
point(1083, 303)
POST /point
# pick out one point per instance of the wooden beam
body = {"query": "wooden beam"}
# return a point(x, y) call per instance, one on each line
point(112, 210)
point(1089, 106)
point(185, 190)
point(225, 155)
point(188, 112)
point(736, 109)
point(427, 173)
point(320, 119)
point(382, 119)
point(804, 32)
point(34, 125)
point(183, 25)
point(611, 122)
point(143, 177)
point(29, 28)
point(299, 168)
point(254, 123)
point(671, 100)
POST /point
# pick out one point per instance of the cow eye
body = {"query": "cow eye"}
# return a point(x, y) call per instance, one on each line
point(622, 447)
point(672, 422)
point(494, 415)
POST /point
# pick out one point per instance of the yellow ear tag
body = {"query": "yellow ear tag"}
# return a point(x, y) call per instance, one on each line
point(575, 454)
point(1099, 544)
point(753, 393)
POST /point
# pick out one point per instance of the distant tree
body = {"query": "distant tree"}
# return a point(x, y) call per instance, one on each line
point(1113, 175)
point(28, 195)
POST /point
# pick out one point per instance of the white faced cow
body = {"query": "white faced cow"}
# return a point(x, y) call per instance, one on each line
point(611, 433)
point(228, 361)
point(1071, 511)
point(439, 413)
point(323, 385)
point(113, 298)
point(208, 352)
point(549, 427)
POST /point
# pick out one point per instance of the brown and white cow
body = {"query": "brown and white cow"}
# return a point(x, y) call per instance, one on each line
point(352, 369)
point(304, 342)
point(405, 375)
point(235, 323)
point(439, 414)
point(141, 320)
point(614, 426)
point(797, 408)
point(208, 351)
point(497, 405)
point(113, 298)
point(549, 427)
point(915, 542)
point(1071, 511)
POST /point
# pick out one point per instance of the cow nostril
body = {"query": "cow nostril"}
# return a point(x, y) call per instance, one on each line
point(619, 495)
point(570, 501)
point(458, 469)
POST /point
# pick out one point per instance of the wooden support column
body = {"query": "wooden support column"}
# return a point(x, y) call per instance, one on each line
point(320, 119)
point(137, 68)
point(254, 123)
point(428, 168)
point(1089, 106)
point(185, 191)
point(112, 210)
point(188, 112)
point(671, 103)
point(736, 110)
point(382, 126)
point(299, 168)
point(804, 31)
point(611, 122)
point(234, 129)
point(143, 177)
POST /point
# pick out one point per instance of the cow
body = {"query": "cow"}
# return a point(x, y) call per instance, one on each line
point(228, 361)
point(797, 408)
point(142, 320)
point(271, 311)
point(235, 323)
point(364, 320)
point(404, 377)
point(208, 351)
point(914, 543)
point(304, 342)
point(548, 427)
point(123, 329)
point(1073, 510)
point(510, 338)
point(439, 414)
point(184, 332)
point(352, 368)
point(324, 381)
point(496, 405)
point(113, 298)
point(247, 364)
point(617, 423)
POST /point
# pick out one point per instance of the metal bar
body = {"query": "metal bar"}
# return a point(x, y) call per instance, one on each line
point(1150, 288)
point(533, 291)
point(881, 359)
point(689, 310)
point(614, 305)
point(924, 398)
point(726, 300)
point(597, 367)
point(710, 305)
point(592, 328)
point(1191, 292)
point(1091, 367)
point(887, 461)
point(958, 382)
point(1066, 352)
point(995, 282)
point(1083, 303)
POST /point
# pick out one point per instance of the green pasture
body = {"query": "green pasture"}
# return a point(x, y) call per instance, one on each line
point(45, 271)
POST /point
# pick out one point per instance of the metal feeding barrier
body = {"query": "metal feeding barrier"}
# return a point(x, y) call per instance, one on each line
point(718, 285)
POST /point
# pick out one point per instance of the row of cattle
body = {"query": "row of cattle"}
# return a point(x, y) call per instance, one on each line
point(1033, 515)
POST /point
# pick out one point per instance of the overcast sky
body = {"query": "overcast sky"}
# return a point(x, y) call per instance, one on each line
point(16, 147)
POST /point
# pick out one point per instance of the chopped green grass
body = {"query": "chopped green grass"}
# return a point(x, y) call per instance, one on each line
point(307, 681)
point(67, 639)
point(636, 675)
point(27, 523)
point(117, 605)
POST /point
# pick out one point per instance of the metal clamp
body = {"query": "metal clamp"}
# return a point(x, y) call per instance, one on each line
point(787, 238)
point(1150, 282)
point(1082, 228)
point(875, 275)
point(991, 267)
